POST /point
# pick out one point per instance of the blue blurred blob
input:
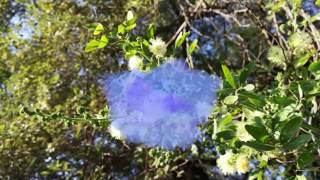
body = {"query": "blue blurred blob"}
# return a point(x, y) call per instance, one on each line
point(162, 107)
point(310, 7)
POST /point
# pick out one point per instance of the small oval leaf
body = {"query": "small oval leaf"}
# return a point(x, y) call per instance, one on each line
point(99, 29)
point(230, 100)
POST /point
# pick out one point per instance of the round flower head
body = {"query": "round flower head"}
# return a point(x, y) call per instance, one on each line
point(130, 15)
point(226, 163)
point(116, 133)
point(158, 47)
point(135, 62)
point(276, 57)
point(300, 41)
point(242, 164)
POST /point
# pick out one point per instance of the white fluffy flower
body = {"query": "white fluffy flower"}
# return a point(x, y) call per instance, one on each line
point(130, 15)
point(242, 133)
point(116, 133)
point(226, 163)
point(158, 47)
point(242, 164)
point(135, 62)
point(277, 57)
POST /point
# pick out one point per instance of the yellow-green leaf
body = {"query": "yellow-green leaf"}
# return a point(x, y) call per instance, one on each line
point(228, 75)
point(99, 29)
point(103, 41)
point(193, 46)
point(92, 45)
point(181, 38)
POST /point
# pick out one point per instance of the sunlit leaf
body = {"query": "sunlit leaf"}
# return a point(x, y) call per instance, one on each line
point(92, 45)
point(121, 29)
point(193, 46)
point(230, 100)
point(181, 38)
point(228, 75)
point(103, 41)
point(99, 29)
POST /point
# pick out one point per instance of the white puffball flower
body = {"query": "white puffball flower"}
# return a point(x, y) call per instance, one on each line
point(158, 47)
point(130, 15)
point(226, 163)
point(242, 164)
point(135, 62)
point(241, 132)
point(116, 133)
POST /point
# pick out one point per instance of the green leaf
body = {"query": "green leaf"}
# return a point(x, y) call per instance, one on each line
point(259, 133)
point(99, 29)
point(251, 97)
point(130, 22)
point(290, 129)
point(230, 99)
point(103, 41)
point(283, 101)
point(300, 177)
point(225, 121)
point(151, 31)
point(315, 66)
point(249, 87)
point(193, 46)
point(259, 146)
point(304, 59)
point(276, 6)
point(306, 159)
point(92, 45)
point(247, 70)
point(227, 134)
point(181, 39)
point(228, 75)
point(130, 27)
point(130, 53)
point(121, 29)
point(298, 142)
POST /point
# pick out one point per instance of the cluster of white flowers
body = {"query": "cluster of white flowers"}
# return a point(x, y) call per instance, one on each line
point(242, 164)
point(300, 41)
point(230, 163)
point(226, 163)
point(277, 57)
point(158, 47)
point(135, 62)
